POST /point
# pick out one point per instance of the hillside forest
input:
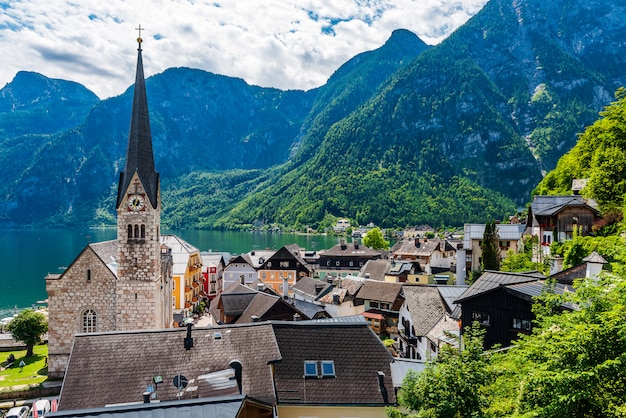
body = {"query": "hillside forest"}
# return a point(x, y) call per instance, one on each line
point(573, 364)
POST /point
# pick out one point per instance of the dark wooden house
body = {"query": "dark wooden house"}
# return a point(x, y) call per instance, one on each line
point(502, 303)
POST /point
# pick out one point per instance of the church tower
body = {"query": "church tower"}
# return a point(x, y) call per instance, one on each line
point(141, 293)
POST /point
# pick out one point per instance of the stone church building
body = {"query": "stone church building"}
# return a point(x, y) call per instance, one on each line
point(123, 284)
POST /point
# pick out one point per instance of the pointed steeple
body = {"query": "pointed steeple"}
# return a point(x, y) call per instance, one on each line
point(139, 155)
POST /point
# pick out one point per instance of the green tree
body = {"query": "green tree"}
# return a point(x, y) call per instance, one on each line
point(574, 362)
point(491, 247)
point(452, 385)
point(375, 239)
point(28, 327)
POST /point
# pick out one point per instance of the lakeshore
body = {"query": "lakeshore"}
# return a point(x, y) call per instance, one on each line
point(28, 255)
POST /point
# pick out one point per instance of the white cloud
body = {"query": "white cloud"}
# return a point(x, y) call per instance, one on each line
point(275, 43)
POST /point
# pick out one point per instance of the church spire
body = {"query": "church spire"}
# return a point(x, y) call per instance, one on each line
point(139, 155)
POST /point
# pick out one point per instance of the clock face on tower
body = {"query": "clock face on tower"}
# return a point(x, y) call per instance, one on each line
point(135, 202)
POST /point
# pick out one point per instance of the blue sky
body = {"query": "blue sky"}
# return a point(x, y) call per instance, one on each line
point(287, 44)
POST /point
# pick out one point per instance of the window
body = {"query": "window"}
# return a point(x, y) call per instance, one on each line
point(310, 369)
point(433, 347)
point(328, 368)
point(136, 231)
point(88, 275)
point(373, 304)
point(284, 264)
point(337, 263)
point(351, 263)
point(130, 231)
point(481, 317)
point(89, 321)
point(521, 324)
point(143, 231)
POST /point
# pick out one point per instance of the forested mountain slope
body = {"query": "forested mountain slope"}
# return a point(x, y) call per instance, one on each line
point(405, 134)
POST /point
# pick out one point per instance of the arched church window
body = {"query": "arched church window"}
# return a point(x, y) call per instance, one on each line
point(136, 231)
point(143, 231)
point(130, 231)
point(89, 321)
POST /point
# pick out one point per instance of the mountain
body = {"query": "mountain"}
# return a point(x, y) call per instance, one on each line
point(465, 131)
point(405, 134)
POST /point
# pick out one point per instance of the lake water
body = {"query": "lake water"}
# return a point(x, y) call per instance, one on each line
point(28, 255)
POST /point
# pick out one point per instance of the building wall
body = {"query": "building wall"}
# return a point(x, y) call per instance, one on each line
point(70, 295)
point(352, 411)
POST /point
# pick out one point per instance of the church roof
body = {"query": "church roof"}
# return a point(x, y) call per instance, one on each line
point(139, 155)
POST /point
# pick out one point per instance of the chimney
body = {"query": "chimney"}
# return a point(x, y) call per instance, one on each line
point(285, 287)
point(343, 244)
point(296, 317)
point(255, 318)
point(556, 265)
point(381, 386)
point(318, 288)
point(188, 339)
point(146, 397)
point(236, 365)
point(356, 244)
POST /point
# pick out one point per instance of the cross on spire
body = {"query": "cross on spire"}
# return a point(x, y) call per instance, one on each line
point(139, 29)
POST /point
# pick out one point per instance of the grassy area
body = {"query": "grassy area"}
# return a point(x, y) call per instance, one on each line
point(33, 373)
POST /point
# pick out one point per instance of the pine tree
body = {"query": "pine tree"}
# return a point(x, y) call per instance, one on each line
point(491, 247)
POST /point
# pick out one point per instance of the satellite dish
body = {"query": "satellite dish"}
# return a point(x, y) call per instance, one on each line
point(180, 382)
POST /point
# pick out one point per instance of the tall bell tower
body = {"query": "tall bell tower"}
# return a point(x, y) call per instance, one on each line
point(141, 292)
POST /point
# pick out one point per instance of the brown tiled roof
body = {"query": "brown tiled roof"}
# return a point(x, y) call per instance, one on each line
point(379, 291)
point(113, 368)
point(357, 354)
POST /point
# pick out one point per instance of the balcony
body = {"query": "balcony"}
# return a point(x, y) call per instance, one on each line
point(409, 340)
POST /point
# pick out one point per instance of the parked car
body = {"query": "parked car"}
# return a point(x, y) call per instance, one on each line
point(42, 406)
point(18, 412)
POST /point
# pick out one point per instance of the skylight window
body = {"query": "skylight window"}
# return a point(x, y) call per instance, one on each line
point(310, 369)
point(328, 368)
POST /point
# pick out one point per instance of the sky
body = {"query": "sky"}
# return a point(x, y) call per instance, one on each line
point(286, 44)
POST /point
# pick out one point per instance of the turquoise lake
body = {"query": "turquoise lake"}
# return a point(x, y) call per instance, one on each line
point(28, 255)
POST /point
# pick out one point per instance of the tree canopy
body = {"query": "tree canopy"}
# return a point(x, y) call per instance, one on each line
point(374, 239)
point(28, 327)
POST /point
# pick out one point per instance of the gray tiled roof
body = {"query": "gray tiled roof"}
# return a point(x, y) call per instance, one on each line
point(491, 280)
point(234, 304)
point(376, 269)
point(113, 368)
point(550, 205)
point(107, 252)
point(425, 306)
point(357, 353)
point(224, 406)
point(307, 286)
point(450, 293)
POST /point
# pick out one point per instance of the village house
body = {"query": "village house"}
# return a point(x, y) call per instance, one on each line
point(341, 300)
point(434, 255)
point(469, 257)
point(425, 320)
point(553, 218)
point(283, 269)
point(345, 258)
point(187, 278)
point(305, 368)
point(382, 302)
point(392, 271)
point(213, 264)
point(243, 268)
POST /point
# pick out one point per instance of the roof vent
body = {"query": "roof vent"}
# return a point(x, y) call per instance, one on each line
point(217, 335)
